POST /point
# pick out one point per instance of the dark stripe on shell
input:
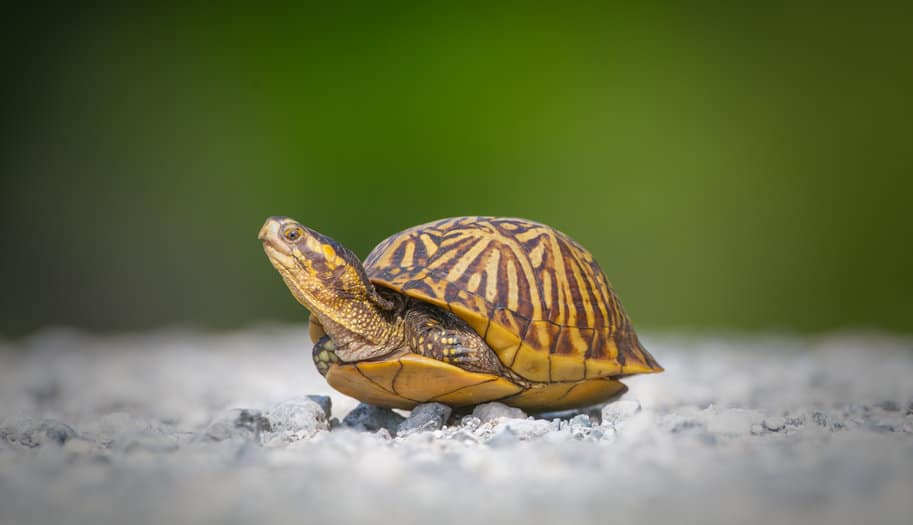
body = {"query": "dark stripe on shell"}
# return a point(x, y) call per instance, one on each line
point(528, 269)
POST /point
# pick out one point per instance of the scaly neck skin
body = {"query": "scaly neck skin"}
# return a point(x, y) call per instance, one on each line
point(330, 281)
point(359, 328)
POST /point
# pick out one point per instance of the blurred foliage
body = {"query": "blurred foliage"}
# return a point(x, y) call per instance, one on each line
point(729, 168)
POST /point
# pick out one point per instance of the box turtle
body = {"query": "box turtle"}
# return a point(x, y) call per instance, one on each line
point(461, 311)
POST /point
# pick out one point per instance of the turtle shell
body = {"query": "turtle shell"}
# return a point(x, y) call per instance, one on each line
point(536, 296)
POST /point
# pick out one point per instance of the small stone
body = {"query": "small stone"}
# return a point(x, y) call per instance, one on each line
point(774, 424)
point(55, 432)
point(581, 420)
point(237, 423)
point(29, 433)
point(595, 414)
point(615, 413)
point(427, 416)
point(294, 420)
point(253, 420)
point(470, 422)
point(795, 421)
point(324, 402)
point(491, 411)
point(370, 418)
point(526, 429)
point(820, 419)
point(580, 426)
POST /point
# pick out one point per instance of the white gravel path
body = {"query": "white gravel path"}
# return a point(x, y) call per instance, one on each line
point(181, 426)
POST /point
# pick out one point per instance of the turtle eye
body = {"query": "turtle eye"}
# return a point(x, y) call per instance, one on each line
point(292, 233)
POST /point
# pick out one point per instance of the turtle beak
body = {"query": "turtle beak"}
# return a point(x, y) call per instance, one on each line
point(277, 251)
point(270, 229)
point(264, 231)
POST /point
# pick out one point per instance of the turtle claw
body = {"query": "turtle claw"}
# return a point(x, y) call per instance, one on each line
point(459, 355)
point(452, 350)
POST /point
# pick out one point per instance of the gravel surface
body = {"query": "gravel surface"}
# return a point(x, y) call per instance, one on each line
point(182, 426)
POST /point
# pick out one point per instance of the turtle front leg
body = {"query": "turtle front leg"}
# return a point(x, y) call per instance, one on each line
point(433, 332)
point(324, 354)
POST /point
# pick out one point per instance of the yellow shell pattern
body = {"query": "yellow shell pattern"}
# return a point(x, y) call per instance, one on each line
point(537, 297)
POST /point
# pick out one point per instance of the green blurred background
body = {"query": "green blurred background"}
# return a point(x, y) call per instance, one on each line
point(731, 169)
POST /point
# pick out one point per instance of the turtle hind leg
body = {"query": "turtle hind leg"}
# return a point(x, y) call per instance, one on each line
point(324, 354)
point(438, 334)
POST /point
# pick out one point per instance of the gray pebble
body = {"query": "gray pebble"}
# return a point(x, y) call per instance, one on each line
point(490, 411)
point(294, 420)
point(470, 422)
point(580, 426)
point(427, 416)
point(56, 432)
point(581, 420)
point(820, 419)
point(774, 424)
point(237, 423)
point(29, 433)
point(526, 429)
point(324, 402)
point(371, 418)
point(795, 421)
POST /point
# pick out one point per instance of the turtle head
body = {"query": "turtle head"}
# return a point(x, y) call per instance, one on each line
point(321, 273)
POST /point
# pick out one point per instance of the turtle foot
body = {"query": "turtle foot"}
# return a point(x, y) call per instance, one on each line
point(325, 354)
